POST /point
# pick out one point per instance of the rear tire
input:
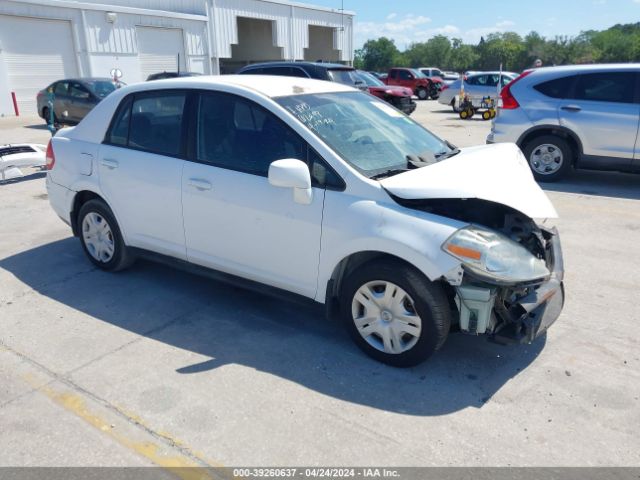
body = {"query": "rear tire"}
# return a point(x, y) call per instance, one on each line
point(101, 238)
point(549, 156)
point(409, 316)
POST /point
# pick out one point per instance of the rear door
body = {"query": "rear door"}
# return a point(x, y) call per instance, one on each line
point(602, 110)
point(61, 100)
point(140, 167)
point(81, 101)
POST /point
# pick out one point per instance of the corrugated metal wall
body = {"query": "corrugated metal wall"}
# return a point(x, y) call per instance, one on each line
point(292, 26)
point(197, 7)
point(120, 37)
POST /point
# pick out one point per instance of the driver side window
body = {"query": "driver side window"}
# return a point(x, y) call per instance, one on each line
point(237, 134)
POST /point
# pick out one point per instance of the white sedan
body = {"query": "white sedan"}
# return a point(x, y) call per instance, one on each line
point(319, 190)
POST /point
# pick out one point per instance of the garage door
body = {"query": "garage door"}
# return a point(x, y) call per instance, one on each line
point(35, 52)
point(159, 50)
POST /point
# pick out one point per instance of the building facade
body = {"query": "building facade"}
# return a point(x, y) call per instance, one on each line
point(46, 40)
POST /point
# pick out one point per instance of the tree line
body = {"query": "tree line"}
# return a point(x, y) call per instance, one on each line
point(620, 43)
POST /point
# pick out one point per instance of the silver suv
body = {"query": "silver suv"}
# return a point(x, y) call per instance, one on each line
point(574, 116)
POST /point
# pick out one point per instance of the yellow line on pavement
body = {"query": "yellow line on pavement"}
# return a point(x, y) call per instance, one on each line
point(178, 464)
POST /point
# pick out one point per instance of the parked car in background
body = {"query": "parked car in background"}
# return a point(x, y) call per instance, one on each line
point(420, 85)
point(331, 72)
point(477, 86)
point(574, 116)
point(320, 190)
point(399, 97)
point(450, 77)
point(163, 75)
point(73, 98)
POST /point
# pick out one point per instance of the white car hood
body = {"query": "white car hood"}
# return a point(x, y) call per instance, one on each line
point(497, 173)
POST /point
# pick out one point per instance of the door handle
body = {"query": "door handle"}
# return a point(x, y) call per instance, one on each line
point(571, 108)
point(200, 184)
point(109, 163)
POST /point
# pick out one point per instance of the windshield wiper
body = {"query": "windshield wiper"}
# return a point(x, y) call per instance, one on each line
point(388, 173)
point(449, 154)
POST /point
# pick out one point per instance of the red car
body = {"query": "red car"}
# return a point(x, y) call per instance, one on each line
point(399, 97)
point(421, 86)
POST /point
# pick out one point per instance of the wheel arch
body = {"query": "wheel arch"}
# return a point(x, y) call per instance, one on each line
point(329, 288)
point(556, 130)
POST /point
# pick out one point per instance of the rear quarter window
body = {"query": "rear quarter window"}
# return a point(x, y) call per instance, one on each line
point(557, 88)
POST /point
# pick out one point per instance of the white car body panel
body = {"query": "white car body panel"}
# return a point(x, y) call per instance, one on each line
point(497, 173)
point(145, 189)
point(243, 225)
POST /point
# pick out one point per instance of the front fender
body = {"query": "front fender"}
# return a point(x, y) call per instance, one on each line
point(367, 225)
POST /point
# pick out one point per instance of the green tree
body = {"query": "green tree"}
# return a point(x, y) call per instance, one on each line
point(463, 57)
point(378, 55)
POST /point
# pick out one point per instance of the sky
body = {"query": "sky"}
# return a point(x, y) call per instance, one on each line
point(407, 21)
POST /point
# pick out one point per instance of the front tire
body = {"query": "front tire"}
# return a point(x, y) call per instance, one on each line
point(393, 313)
point(101, 238)
point(422, 93)
point(549, 157)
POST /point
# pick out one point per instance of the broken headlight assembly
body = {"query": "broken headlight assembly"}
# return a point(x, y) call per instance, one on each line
point(494, 257)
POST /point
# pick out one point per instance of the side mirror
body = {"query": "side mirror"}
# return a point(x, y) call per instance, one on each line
point(292, 173)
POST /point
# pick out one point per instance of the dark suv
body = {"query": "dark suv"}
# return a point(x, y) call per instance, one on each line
point(332, 72)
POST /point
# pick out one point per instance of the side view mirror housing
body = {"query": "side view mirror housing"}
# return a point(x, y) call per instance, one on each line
point(292, 173)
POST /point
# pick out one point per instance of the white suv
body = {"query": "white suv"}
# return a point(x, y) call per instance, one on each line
point(322, 191)
point(573, 116)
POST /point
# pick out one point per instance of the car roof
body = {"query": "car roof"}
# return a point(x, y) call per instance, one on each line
point(85, 79)
point(599, 67)
point(268, 85)
point(299, 64)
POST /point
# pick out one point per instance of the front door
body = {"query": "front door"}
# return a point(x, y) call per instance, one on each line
point(140, 169)
point(602, 112)
point(234, 220)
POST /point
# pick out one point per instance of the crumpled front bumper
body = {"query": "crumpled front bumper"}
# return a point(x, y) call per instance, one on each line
point(531, 315)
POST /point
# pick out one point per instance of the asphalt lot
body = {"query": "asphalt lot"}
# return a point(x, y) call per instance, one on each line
point(156, 366)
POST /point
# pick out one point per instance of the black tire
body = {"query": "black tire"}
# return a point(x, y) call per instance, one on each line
point(434, 93)
point(430, 303)
point(453, 105)
point(122, 256)
point(561, 145)
point(422, 93)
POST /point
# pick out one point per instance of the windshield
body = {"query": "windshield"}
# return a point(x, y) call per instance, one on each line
point(369, 80)
point(348, 77)
point(418, 73)
point(101, 88)
point(367, 133)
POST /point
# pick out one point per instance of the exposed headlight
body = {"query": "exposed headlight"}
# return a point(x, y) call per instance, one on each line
point(493, 255)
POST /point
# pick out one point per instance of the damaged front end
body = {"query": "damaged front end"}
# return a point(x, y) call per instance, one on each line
point(511, 288)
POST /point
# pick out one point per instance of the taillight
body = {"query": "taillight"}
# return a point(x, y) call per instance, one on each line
point(509, 102)
point(51, 158)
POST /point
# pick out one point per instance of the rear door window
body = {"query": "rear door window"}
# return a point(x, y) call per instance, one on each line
point(614, 87)
point(151, 122)
point(557, 88)
point(61, 88)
